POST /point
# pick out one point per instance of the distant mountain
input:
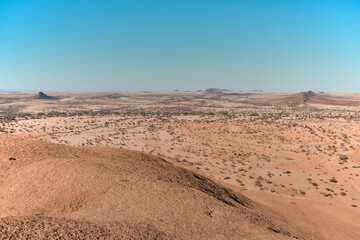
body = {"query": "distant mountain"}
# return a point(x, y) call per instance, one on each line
point(216, 90)
point(43, 96)
point(311, 97)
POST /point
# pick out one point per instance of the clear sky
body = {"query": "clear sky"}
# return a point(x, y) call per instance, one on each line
point(273, 45)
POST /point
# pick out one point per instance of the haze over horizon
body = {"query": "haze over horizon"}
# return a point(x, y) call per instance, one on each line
point(186, 45)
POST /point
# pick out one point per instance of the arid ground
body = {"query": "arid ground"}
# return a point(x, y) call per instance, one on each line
point(206, 165)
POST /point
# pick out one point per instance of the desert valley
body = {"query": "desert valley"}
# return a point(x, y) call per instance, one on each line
point(204, 120)
point(179, 165)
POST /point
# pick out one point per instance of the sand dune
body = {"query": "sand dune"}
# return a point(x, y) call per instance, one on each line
point(52, 190)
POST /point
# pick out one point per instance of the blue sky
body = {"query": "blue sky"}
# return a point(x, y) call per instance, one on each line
point(274, 45)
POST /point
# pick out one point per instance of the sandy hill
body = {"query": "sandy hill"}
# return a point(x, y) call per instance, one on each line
point(56, 191)
point(311, 97)
point(41, 95)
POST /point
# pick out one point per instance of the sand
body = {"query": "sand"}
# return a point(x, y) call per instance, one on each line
point(299, 161)
point(51, 190)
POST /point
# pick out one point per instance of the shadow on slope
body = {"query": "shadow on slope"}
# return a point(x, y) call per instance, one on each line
point(53, 189)
point(43, 96)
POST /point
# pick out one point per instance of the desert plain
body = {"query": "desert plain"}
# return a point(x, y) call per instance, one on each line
point(180, 165)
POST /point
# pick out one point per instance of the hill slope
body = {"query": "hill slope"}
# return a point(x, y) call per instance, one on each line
point(43, 96)
point(310, 97)
point(50, 190)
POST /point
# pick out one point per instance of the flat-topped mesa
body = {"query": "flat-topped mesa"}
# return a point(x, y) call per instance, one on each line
point(212, 91)
point(41, 95)
point(215, 90)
